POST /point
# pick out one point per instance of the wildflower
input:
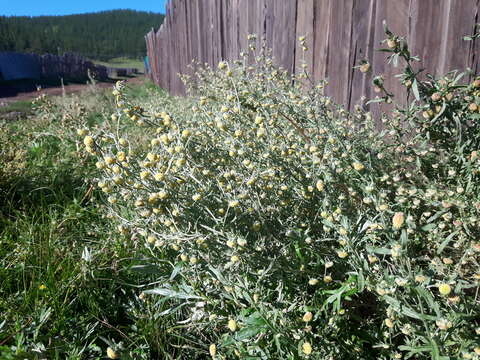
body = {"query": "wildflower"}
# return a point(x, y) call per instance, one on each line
point(447, 261)
point(342, 254)
point(233, 203)
point(444, 289)
point(443, 324)
point(391, 43)
point(259, 120)
point(395, 252)
point(389, 323)
point(313, 282)
point(196, 197)
point(242, 242)
point(222, 65)
point(42, 287)
point(256, 226)
point(109, 160)
point(232, 325)
point(358, 166)
point(307, 348)
point(213, 350)
point(261, 132)
point(88, 141)
point(162, 195)
point(121, 156)
point(144, 174)
point(406, 329)
point(112, 354)
point(307, 317)
point(151, 239)
point(234, 259)
point(436, 97)
point(420, 278)
point(364, 67)
point(327, 279)
point(398, 220)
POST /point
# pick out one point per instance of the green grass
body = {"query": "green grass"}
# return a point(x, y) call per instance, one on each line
point(23, 106)
point(66, 284)
point(122, 62)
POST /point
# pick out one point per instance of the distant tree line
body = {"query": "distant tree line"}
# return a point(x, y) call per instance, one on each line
point(101, 36)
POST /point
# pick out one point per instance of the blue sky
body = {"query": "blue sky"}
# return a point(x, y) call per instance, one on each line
point(65, 7)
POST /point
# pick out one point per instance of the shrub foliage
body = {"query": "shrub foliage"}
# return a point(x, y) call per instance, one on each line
point(281, 226)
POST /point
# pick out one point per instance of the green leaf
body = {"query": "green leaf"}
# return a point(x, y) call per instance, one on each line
point(218, 274)
point(383, 251)
point(360, 281)
point(172, 294)
point(147, 269)
point(255, 319)
point(176, 270)
point(444, 106)
point(415, 350)
point(427, 296)
point(446, 241)
point(436, 216)
point(429, 227)
point(415, 90)
point(435, 350)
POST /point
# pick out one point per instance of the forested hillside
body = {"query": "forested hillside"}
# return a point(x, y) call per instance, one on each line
point(101, 35)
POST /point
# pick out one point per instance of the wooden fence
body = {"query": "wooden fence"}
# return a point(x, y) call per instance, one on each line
point(70, 66)
point(17, 66)
point(340, 33)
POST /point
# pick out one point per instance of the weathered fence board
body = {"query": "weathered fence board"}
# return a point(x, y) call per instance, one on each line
point(340, 33)
point(69, 66)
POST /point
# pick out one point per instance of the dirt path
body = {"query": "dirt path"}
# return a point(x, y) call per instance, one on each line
point(69, 89)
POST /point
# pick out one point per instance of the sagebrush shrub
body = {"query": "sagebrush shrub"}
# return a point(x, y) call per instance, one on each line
point(283, 226)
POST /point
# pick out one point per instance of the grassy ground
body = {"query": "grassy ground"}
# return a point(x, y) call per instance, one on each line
point(23, 107)
point(122, 62)
point(66, 283)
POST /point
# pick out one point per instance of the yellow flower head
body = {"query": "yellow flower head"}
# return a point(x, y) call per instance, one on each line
point(358, 166)
point(398, 220)
point(308, 316)
point(307, 348)
point(320, 186)
point(389, 323)
point(82, 132)
point(444, 289)
point(213, 350)
point(232, 325)
point(327, 279)
point(112, 354)
point(88, 140)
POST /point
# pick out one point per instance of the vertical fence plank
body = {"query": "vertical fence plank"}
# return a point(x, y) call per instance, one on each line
point(340, 33)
